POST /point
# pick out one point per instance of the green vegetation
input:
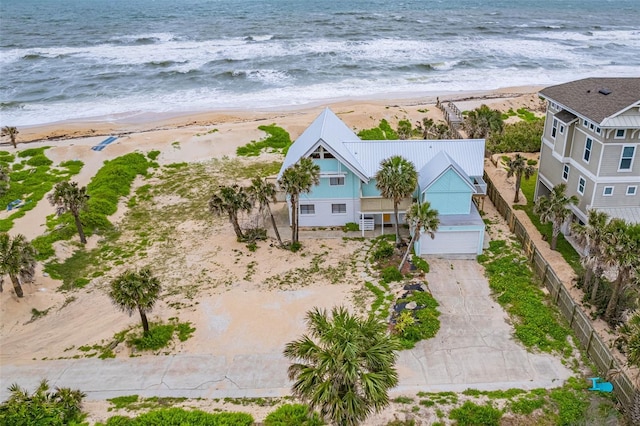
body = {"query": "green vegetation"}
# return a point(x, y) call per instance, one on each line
point(391, 274)
point(420, 323)
point(380, 133)
point(351, 227)
point(420, 263)
point(161, 335)
point(537, 324)
point(293, 415)
point(523, 136)
point(472, 415)
point(277, 141)
point(523, 114)
point(153, 155)
point(563, 246)
point(181, 417)
point(30, 179)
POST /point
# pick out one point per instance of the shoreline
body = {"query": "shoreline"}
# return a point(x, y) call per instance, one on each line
point(143, 122)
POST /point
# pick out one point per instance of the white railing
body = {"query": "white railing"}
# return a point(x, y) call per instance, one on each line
point(367, 225)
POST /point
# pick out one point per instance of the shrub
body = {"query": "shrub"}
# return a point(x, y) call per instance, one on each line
point(391, 274)
point(153, 155)
point(420, 263)
point(523, 136)
point(294, 247)
point(382, 132)
point(180, 417)
point(293, 415)
point(33, 152)
point(472, 414)
point(350, 227)
point(384, 250)
point(277, 140)
point(39, 160)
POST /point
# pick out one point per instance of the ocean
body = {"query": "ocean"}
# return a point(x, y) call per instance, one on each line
point(109, 59)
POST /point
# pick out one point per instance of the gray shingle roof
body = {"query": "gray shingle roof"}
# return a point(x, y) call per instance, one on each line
point(584, 98)
point(565, 116)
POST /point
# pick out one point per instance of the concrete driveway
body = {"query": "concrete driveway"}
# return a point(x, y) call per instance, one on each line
point(473, 349)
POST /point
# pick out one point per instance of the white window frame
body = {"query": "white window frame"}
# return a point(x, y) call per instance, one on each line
point(565, 172)
point(581, 182)
point(604, 191)
point(338, 205)
point(306, 212)
point(633, 188)
point(630, 168)
point(585, 123)
point(554, 128)
point(561, 129)
point(624, 134)
point(338, 180)
point(598, 130)
point(587, 149)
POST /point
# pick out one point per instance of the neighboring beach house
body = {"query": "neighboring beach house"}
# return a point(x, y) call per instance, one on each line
point(449, 176)
point(590, 142)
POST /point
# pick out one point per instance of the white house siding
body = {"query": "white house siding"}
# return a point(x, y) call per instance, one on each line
point(323, 215)
point(452, 242)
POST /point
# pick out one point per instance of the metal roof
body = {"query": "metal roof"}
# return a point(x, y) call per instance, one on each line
point(327, 129)
point(596, 98)
point(467, 153)
point(622, 121)
point(628, 214)
point(435, 168)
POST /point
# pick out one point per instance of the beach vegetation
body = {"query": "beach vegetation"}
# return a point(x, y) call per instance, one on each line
point(471, 414)
point(179, 416)
point(12, 133)
point(344, 367)
point(591, 236)
point(554, 208)
point(421, 323)
point(136, 291)
point(405, 129)
point(296, 180)
point(420, 263)
point(537, 324)
point(62, 406)
point(350, 227)
point(277, 141)
point(380, 133)
point(482, 122)
point(396, 179)
point(153, 155)
point(522, 136)
point(17, 260)
point(518, 167)
point(69, 197)
point(4, 180)
point(231, 200)
point(293, 415)
point(161, 335)
point(264, 193)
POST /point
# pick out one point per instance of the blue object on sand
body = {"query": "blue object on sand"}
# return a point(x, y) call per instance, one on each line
point(598, 385)
point(102, 145)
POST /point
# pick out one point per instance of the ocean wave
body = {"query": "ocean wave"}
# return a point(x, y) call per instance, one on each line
point(143, 39)
point(266, 37)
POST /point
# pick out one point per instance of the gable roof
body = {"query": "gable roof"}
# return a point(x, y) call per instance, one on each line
point(437, 167)
point(467, 153)
point(327, 129)
point(588, 97)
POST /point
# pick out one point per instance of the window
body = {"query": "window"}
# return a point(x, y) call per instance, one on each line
point(598, 130)
point(307, 209)
point(565, 172)
point(321, 153)
point(626, 159)
point(592, 126)
point(608, 191)
point(631, 190)
point(581, 185)
point(562, 129)
point(554, 128)
point(585, 123)
point(334, 181)
point(338, 208)
point(587, 149)
point(620, 133)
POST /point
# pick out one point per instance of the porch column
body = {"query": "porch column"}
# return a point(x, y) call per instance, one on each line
point(382, 228)
point(362, 223)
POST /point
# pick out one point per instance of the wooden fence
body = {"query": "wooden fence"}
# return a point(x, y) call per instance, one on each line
point(595, 348)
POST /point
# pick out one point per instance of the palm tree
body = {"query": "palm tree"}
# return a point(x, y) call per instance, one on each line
point(518, 167)
point(483, 121)
point(591, 237)
point(344, 367)
point(553, 208)
point(265, 192)
point(295, 180)
point(12, 132)
point(4, 180)
point(396, 179)
point(136, 290)
point(68, 196)
point(231, 200)
point(422, 219)
point(621, 245)
point(17, 259)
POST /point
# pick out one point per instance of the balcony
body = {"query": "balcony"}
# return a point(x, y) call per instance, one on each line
point(379, 204)
point(480, 185)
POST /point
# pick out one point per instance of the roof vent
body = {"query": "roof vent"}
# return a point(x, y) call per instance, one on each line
point(604, 91)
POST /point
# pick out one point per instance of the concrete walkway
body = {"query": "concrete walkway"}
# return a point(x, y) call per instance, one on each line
point(473, 349)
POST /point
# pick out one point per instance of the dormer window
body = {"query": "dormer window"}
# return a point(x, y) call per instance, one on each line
point(620, 133)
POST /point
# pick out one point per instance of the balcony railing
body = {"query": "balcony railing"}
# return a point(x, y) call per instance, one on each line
point(379, 204)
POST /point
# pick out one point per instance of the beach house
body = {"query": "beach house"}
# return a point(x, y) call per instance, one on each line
point(449, 177)
point(590, 143)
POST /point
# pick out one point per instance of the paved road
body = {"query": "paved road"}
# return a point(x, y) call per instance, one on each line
point(473, 349)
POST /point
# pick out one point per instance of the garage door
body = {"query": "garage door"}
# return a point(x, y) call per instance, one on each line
point(464, 242)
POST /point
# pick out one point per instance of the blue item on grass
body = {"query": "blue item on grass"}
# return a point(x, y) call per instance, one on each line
point(598, 385)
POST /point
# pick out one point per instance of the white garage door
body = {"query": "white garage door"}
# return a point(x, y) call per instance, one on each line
point(463, 242)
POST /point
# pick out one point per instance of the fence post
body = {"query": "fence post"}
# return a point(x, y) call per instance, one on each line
point(573, 314)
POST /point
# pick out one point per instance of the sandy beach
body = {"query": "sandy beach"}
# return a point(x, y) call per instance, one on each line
point(210, 279)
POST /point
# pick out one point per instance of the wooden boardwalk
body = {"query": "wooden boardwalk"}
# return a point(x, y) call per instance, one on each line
point(452, 114)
